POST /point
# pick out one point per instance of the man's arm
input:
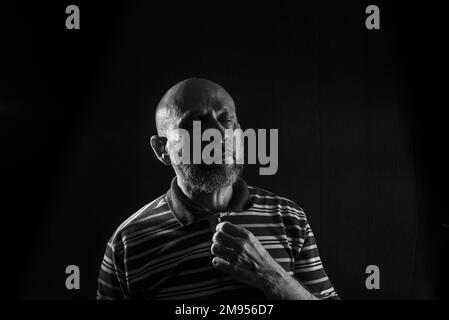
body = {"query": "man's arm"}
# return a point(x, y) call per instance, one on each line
point(286, 288)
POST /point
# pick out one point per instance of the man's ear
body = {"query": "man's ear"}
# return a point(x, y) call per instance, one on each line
point(158, 145)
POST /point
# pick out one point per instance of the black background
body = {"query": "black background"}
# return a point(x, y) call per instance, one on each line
point(359, 113)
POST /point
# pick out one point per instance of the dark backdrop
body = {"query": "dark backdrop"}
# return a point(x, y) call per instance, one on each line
point(360, 128)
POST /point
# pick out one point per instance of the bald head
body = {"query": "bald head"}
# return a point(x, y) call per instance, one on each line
point(190, 99)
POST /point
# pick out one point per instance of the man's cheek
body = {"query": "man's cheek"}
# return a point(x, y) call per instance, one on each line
point(175, 151)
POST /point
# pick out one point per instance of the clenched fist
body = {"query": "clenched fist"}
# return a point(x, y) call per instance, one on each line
point(239, 254)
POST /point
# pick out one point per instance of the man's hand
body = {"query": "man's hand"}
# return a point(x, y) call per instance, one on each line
point(239, 254)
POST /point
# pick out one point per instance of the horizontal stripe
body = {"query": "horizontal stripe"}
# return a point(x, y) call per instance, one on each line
point(152, 256)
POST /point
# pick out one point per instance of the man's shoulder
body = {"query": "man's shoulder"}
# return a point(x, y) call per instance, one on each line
point(264, 199)
point(293, 216)
point(151, 214)
point(262, 196)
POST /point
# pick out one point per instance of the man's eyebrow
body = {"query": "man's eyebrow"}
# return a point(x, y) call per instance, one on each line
point(225, 110)
point(188, 116)
point(225, 115)
point(191, 114)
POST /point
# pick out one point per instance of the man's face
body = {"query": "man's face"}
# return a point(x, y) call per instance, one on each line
point(212, 109)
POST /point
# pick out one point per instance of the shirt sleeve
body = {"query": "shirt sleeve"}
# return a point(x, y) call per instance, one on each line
point(309, 269)
point(111, 279)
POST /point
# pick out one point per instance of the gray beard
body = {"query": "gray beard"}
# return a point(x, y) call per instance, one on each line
point(208, 178)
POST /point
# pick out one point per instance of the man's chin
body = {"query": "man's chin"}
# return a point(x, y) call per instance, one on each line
point(209, 178)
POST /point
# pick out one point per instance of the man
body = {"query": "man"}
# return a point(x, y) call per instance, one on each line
point(211, 236)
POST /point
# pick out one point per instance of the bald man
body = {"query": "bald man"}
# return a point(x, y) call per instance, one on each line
point(211, 236)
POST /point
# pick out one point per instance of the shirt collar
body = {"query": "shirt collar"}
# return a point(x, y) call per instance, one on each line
point(187, 211)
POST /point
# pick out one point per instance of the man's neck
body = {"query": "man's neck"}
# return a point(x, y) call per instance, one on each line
point(213, 202)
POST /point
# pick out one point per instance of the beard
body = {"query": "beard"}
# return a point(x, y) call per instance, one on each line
point(209, 178)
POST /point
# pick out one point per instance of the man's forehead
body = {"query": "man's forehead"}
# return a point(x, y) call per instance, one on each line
point(192, 114)
point(202, 97)
point(192, 97)
point(203, 108)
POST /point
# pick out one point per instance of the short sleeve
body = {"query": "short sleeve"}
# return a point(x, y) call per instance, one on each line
point(111, 279)
point(309, 269)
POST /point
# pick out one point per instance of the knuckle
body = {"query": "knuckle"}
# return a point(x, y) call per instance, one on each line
point(225, 225)
point(246, 247)
point(216, 237)
point(246, 235)
point(220, 234)
point(240, 245)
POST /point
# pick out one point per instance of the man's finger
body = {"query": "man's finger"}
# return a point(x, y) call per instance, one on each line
point(222, 252)
point(232, 230)
point(222, 265)
point(226, 240)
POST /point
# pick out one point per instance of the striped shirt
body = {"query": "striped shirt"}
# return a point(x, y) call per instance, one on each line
point(163, 251)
